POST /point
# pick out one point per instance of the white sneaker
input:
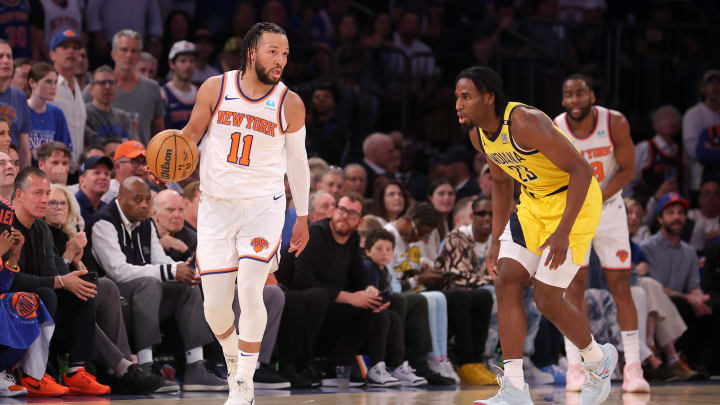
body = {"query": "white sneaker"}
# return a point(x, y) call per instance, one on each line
point(445, 368)
point(534, 374)
point(9, 387)
point(231, 364)
point(407, 377)
point(449, 371)
point(378, 376)
point(508, 395)
point(242, 394)
point(597, 377)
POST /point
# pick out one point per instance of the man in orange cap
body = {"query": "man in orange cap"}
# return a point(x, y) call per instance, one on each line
point(129, 161)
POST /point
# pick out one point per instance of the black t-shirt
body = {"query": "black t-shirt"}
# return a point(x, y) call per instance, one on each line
point(327, 264)
point(39, 261)
point(189, 237)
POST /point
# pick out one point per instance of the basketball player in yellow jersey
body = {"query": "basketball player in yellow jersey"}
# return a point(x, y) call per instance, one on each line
point(254, 133)
point(603, 138)
point(546, 238)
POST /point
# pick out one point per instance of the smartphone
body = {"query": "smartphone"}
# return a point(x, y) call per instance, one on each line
point(90, 277)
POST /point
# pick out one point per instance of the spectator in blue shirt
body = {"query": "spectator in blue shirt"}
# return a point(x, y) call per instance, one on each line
point(13, 105)
point(47, 120)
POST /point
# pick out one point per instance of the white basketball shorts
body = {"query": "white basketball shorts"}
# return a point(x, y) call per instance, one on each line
point(230, 231)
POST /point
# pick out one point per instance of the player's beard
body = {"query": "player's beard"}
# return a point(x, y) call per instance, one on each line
point(262, 76)
point(467, 127)
point(583, 113)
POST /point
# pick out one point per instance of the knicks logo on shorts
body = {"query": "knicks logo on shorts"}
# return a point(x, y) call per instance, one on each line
point(25, 304)
point(623, 255)
point(259, 244)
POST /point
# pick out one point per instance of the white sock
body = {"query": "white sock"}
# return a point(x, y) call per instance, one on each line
point(121, 367)
point(631, 343)
point(145, 356)
point(572, 353)
point(246, 365)
point(229, 344)
point(194, 355)
point(592, 353)
point(513, 369)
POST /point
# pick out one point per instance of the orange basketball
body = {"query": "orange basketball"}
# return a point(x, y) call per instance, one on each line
point(171, 156)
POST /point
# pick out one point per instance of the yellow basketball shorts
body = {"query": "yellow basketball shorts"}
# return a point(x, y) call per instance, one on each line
point(535, 219)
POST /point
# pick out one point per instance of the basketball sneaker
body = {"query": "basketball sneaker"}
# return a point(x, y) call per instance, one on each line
point(47, 387)
point(378, 376)
point(83, 383)
point(407, 377)
point(508, 395)
point(8, 386)
point(597, 377)
point(575, 378)
point(633, 380)
point(241, 392)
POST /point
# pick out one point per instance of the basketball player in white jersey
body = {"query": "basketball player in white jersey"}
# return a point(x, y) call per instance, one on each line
point(253, 131)
point(603, 138)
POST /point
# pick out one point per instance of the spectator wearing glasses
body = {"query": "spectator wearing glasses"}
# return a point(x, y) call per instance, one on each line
point(103, 120)
point(129, 161)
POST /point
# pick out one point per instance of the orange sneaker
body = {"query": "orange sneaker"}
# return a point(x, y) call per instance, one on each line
point(47, 387)
point(83, 383)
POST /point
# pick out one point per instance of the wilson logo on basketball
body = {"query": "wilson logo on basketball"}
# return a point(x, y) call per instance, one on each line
point(259, 244)
point(165, 167)
point(623, 255)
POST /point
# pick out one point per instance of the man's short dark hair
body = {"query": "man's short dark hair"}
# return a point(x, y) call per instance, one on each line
point(49, 148)
point(23, 176)
point(579, 76)
point(110, 140)
point(479, 200)
point(355, 197)
point(376, 235)
point(191, 190)
point(102, 69)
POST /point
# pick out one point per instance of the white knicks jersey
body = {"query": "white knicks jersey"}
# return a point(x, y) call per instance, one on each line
point(598, 148)
point(243, 150)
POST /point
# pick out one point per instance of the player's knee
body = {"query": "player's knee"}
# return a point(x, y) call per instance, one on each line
point(218, 318)
point(619, 283)
point(546, 301)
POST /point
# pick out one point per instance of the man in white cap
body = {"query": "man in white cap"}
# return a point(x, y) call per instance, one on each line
point(179, 93)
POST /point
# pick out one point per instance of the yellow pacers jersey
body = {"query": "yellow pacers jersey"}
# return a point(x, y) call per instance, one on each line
point(544, 192)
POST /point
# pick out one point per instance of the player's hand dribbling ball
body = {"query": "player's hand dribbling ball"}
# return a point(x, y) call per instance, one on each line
point(171, 156)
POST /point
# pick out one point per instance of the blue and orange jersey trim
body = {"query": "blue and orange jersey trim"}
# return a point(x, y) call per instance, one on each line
point(280, 108)
point(248, 99)
point(220, 96)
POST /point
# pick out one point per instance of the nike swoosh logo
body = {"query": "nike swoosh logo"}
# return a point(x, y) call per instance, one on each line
point(231, 98)
point(35, 387)
point(277, 198)
point(245, 355)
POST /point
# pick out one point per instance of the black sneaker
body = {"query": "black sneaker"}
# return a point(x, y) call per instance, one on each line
point(137, 381)
point(156, 370)
point(312, 372)
point(297, 379)
point(432, 377)
point(267, 378)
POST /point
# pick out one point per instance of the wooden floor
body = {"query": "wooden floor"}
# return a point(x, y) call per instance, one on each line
point(675, 394)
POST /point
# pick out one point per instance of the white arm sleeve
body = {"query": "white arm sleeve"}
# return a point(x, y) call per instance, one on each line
point(298, 171)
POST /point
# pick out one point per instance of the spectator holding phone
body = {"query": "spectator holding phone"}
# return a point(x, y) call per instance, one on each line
point(356, 312)
point(68, 298)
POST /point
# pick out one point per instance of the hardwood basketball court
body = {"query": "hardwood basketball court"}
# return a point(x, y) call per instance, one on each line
point(671, 394)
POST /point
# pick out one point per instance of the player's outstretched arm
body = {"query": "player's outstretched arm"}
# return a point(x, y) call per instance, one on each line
point(532, 129)
point(205, 102)
point(298, 172)
point(624, 154)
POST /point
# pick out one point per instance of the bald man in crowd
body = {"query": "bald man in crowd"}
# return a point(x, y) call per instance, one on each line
point(177, 239)
point(380, 158)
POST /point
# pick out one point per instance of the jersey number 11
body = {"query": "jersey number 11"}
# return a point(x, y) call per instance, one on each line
point(244, 159)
